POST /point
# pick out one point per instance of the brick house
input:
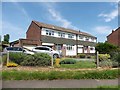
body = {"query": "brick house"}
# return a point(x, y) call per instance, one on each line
point(114, 37)
point(69, 42)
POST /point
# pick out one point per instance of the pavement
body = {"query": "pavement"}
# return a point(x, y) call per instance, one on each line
point(93, 83)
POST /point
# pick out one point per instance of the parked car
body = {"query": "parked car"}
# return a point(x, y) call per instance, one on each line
point(48, 50)
point(13, 49)
point(29, 52)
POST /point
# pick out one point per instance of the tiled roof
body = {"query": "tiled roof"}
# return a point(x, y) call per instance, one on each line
point(61, 29)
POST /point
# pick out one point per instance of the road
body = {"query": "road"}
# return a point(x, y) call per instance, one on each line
point(59, 83)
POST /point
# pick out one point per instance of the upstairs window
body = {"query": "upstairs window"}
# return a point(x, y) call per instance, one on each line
point(49, 33)
point(87, 38)
point(80, 37)
point(61, 34)
point(70, 36)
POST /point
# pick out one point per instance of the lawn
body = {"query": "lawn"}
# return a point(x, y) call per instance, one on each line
point(79, 64)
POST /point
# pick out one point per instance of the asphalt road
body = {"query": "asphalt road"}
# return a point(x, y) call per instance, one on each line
point(58, 83)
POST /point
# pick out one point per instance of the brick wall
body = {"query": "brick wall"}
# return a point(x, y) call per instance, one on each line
point(114, 37)
point(34, 32)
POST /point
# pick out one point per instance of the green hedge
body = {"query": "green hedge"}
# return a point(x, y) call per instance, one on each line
point(53, 75)
point(68, 61)
point(81, 55)
point(38, 59)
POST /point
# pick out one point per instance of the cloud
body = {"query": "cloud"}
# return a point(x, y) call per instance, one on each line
point(14, 31)
point(111, 15)
point(57, 17)
point(19, 7)
point(102, 30)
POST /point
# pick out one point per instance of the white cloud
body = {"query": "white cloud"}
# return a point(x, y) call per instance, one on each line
point(102, 30)
point(24, 12)
point(57, 17)
point(111, 15)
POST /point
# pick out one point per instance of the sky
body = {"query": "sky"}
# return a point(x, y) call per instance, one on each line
point(95, 18)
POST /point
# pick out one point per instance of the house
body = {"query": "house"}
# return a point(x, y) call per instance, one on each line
point(69, 42)
point(114, 37)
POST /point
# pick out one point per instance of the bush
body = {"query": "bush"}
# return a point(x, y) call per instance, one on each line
point(17, 57)
point(38, 59)
point(106, 63)
point(68, 61)
point(116, 57)
point(115, 64)
point(88, 56)
point(81, 55)
point(103, 57)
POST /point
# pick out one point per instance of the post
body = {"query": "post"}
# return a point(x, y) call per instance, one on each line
point(7, 57)
point(97, 59)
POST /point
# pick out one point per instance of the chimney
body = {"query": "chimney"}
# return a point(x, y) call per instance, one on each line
point(112, 31)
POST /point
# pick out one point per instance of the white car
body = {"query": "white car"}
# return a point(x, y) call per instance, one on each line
point(48, 50)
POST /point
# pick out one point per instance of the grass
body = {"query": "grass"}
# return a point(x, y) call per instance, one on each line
point(108, 87)
point(80, 64)
point(57, 75)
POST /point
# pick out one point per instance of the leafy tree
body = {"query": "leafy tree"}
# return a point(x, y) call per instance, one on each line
point(105, 48)
point(6, 38)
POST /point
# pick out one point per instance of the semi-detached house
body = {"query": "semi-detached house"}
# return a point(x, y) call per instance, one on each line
point(69, 42)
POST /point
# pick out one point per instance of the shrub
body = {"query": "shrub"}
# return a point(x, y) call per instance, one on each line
point(116, 57)
point(38, 59)
point(115, 64)
point(103, 57)
point(12, 64)
point(106, 63)
point(88, 56)
point(17, 57)
point(68, 61)
point(81, 55)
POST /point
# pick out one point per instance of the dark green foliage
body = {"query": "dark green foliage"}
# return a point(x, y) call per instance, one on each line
point(106, 63)
point(68, 61)
point(17, 57)
point(104, 48)
point(6, 39)
point(38, 59)
point(81, 55)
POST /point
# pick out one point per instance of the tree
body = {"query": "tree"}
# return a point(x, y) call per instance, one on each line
point(6, 38)
point(105, 48)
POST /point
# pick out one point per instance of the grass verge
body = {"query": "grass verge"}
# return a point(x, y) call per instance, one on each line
point(80, 64)
point(57, 75)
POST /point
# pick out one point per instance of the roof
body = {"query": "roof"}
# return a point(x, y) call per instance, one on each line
point(61, 29)
point(114, 31)
point(48, 39)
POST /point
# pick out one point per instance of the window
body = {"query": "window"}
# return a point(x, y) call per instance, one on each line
point(87, 39)
point(80, 37)
point(69, 47)
point(61, 34)
point(92, 39)
point(91, 48)
point(70, 36)
point(42, 48)
point(49, 32)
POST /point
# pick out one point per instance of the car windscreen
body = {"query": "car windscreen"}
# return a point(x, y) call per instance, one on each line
point(14, 49)
point(42, 48)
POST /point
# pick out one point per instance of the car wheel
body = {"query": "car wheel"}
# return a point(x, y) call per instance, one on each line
point(55, 56)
